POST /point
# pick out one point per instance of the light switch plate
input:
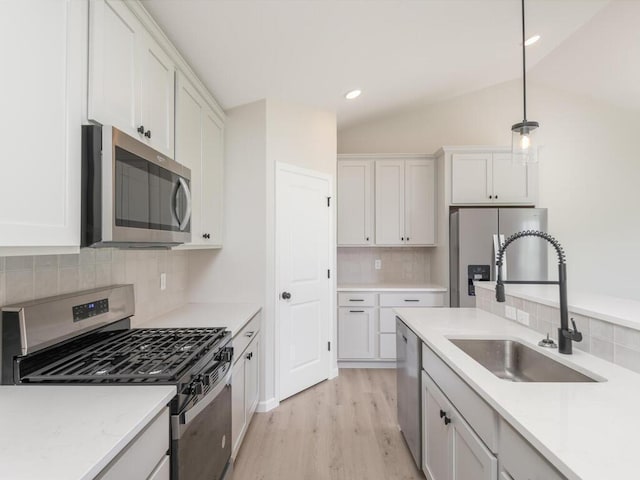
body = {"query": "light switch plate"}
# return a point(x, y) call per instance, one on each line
point(163, 281)
point(523, 317)
point(510, 312)
point(377, 264)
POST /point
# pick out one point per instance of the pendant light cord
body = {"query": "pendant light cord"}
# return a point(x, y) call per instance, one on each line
point(524, 69)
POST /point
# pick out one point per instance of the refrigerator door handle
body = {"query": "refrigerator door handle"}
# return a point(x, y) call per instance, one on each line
point(498, 240)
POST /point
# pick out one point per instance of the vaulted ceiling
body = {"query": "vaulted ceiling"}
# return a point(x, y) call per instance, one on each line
point(397, 52)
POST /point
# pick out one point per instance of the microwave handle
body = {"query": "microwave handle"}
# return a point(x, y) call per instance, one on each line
point(187, 215)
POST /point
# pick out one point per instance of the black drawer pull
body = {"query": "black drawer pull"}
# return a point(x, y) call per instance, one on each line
point(356, 311)
point(411, 300)
point(249, 334)
point(442, 413)
point(356, 299)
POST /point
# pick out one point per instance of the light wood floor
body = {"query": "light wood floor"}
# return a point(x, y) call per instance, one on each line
point(342, 429)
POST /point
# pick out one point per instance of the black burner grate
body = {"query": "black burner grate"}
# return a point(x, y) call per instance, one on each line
point(153, 354)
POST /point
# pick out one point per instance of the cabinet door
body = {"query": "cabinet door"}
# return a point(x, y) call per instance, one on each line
point(387, 320)
point(471, 459)
point(157, 76)
point(252, 378)
point(115, 37)
point(356, 333)
point(387, 346)
point(437, 437)
point(212, 178)
point(471, 180)
point(420, 201)
point(188, 146)
point(512, 182)
point(238, 410)
point(355, 202)
point(40, 123)
point(389, 205)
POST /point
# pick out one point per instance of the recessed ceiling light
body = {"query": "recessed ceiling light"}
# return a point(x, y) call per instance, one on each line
point(531, 40)
point(353, 94)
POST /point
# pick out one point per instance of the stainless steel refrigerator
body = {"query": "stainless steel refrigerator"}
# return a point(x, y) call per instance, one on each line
point(475, 234)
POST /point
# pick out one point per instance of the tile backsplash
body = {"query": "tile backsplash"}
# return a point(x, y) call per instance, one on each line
point(399, 265)
point(614, 343)
point(29, 277)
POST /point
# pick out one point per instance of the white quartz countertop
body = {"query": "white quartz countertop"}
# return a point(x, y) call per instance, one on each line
point(233, 316)
point(619, 311)
point(589, 431)
point(71, 432)
point(390, 287)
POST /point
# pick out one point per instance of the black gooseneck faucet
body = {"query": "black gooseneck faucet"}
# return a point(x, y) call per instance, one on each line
point(565, 335)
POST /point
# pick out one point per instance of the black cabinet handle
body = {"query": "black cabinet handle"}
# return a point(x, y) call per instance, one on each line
point(147, 134)
point(404, 338)
point(249, 334)
point(206, 235)
point(411, 300)
point(402, 238)
point(286, 295)
point(367, 239)
point(447, 420)
point(356, 311)
point(407, 239)
point(141, 129)
point(356, 299)
point(442, 413)
point(249, 356)
point(496, 197)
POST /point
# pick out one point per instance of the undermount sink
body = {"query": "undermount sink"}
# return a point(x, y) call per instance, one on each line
point(516, 362)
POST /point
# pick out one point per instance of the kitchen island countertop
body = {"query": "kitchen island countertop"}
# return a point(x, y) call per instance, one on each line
point(71, 432)
point(588, 431)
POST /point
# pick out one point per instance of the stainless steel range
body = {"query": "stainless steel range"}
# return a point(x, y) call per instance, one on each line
point(86, 337)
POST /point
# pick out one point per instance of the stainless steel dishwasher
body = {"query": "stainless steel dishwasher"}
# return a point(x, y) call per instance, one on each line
point(408, 389)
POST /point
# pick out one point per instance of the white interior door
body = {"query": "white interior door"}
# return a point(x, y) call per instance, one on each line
point(302, 249)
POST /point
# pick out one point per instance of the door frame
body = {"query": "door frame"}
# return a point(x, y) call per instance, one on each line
point(332, 363)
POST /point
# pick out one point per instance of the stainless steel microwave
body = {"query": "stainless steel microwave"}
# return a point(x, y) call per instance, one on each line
point(132, 195)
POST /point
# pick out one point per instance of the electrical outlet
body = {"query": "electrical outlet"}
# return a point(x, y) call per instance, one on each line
point(523, 317)
point(510, 312)
point(377, 264)
point(163, 281)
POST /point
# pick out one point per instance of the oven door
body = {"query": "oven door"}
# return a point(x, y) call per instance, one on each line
point(201, 435)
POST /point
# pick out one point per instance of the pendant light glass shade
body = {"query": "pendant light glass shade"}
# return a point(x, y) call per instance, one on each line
point(524, 148)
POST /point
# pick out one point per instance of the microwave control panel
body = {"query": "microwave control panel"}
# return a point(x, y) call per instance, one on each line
point(91, 309)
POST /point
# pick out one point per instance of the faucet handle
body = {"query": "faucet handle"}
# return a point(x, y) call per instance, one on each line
point(575, 335)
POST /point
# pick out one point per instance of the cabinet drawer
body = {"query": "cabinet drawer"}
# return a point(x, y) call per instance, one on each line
point(482, 418)
point(243, 337)
point(143, 454)
point(419, 299)
point(357, 299)
point(521, 460)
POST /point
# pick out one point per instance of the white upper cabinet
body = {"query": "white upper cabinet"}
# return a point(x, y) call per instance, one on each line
point(131, 79)
point(199, 146)
point(491, 178)
point(157, 77)
point(390, 202)
point(355, 202)
point(405, 202)
point(44, 47)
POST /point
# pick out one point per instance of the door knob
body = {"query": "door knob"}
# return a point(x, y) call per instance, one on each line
point(286, 295)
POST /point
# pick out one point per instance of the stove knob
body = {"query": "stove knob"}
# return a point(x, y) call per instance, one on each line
point(197, 388)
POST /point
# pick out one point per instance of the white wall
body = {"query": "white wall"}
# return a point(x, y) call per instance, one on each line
point(257, 136)
point(589, 168)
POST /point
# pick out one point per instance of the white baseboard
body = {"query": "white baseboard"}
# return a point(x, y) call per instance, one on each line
point(267, 405)
point(367, 364)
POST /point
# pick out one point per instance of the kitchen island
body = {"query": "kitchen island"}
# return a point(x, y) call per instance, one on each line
point(585, 430)
point(69, 432)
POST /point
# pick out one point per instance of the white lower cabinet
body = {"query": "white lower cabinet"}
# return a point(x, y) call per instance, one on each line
point(451, 449)
point(356, 333)
point(146, 455)
point(245, 381)
point(367, 324)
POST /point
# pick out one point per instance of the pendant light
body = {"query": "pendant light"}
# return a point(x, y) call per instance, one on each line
point(524, 149)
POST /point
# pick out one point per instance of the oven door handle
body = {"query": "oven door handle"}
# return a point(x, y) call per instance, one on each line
point(180, 421)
